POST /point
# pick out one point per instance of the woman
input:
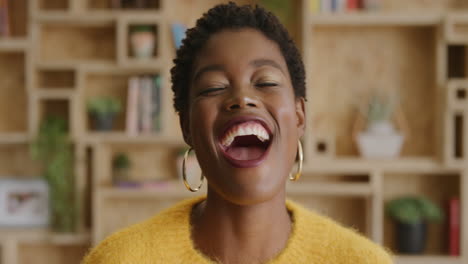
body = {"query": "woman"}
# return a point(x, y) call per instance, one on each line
point(239, 90)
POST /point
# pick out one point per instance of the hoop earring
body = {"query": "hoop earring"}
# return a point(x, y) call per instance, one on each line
point(184, 174)
point(300, 154)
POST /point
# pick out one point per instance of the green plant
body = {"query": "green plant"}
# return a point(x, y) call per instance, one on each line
point(102, 106)
point(379, 107)
point(53, 148)
point(281, 8)
point(411, 210)
point(121, 161)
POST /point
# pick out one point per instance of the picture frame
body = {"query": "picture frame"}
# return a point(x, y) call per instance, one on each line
point(24, 203)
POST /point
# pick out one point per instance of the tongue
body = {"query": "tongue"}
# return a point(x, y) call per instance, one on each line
point(246, 148)
point(245, 153)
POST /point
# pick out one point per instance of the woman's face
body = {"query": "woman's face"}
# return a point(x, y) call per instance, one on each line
point(243, 119)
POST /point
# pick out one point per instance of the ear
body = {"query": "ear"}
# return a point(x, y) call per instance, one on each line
point(185, 126)
point(301, 116)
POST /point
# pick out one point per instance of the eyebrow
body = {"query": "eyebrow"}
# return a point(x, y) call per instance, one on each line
point(266, 62)
point(213, 67)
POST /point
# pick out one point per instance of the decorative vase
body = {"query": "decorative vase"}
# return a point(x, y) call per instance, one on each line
point(411, 238)
point(143, 43)
point(121, 175)
point(380, 141)
point(103, 122)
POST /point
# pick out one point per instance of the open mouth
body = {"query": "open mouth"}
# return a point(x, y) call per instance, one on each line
point(246, 144)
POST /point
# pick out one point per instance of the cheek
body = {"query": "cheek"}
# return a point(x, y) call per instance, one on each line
point(202, 116)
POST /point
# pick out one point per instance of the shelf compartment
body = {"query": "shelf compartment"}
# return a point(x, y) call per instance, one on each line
point(348, 211)
point(113, 211)
point(54, 107)
point(113, 84)
point(77, 43)
point(149, 163)
point(438, 187)
point(56, 79)
point(350, 62)
point(124, 138)
point(457, 59)
point(13, 96)
point(125, 55)
point(457, 94)
point(16, 161)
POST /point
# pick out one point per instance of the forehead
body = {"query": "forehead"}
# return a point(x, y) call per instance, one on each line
point(237, 48)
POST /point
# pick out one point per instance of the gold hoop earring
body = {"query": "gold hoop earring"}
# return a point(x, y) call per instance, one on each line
point(300, 155)
point(184, 174)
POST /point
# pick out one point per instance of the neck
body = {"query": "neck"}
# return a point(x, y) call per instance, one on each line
point(232, 233)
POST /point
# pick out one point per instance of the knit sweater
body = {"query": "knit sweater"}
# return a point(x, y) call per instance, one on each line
point(166, 238)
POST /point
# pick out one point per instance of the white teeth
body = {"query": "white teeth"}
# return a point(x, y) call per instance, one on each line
point(245, 129)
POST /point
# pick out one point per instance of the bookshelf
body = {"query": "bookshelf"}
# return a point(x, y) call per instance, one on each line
point(61, 53)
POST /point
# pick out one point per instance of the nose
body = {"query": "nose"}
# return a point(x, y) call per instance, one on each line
point(241, 99)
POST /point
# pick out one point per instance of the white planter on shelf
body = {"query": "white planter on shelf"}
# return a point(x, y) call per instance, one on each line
point(143, 44)
point(381, 140)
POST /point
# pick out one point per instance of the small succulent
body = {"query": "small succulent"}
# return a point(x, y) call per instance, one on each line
point(379, 107)
point(121, 161)
point(412, 209)
point(104, 105)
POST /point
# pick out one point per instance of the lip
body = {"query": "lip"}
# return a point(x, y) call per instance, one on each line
point(244, 163)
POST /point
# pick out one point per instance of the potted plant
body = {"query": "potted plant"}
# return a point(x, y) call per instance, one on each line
point(103, 111)
point(380, 139)
point(142, 39)
point(54, 149)
point(411, 215)
point(121, 165)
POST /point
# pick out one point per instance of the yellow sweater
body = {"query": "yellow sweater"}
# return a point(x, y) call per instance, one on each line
point(165, 238)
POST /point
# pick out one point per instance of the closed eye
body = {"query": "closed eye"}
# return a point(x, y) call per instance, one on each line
point(211, 91)
point(266, 84)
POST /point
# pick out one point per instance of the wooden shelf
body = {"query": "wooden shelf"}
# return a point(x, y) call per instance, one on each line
point(167, 190)
point(123, 138)
point(357, 165)
point(14, 138)
point(376, 19)
point(13, 44)
point(428, 260)
point(43, 235)
point(55, 93)
point(330, 189)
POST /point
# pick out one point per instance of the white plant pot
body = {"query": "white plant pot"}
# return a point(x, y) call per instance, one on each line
point(380, 141)
point(143, 44)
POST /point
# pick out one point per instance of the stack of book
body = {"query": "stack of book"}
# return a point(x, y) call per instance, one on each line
point(341, 6)
point(144, 105)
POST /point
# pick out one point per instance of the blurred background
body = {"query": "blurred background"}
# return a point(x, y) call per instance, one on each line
point(90, 143)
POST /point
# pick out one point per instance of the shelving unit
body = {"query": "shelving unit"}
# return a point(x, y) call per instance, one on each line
point(61, 53)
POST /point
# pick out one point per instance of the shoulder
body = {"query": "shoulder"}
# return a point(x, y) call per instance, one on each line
point(334, 242)
point(150, 239)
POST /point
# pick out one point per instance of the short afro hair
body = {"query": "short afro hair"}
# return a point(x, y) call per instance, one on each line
point(225, 17)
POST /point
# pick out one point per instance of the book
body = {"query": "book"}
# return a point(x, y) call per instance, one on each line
point(454, 227)
point(326, 6)
point(132, 106)
point(352, 5)
point(178, 33)
point(145, 120)
point(156, 103)
point(314, 6)
point(4, 19)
